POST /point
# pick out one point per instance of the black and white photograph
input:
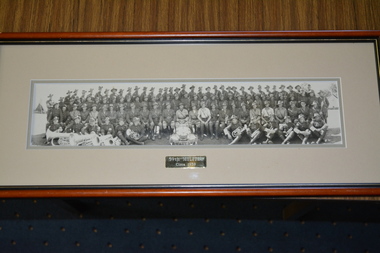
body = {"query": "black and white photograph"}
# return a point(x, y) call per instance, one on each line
point(287, 112)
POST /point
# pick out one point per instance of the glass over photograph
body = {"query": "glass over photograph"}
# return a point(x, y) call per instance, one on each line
point(215, 112)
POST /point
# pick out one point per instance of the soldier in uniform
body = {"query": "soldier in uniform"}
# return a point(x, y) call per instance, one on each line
point(223, 92)
point(291, 92)
point(308, 90)
point(318, 128)
point(84, 114)
point(267, 113)
point(305, 110)
point(194, 121)
point(74, 113)
point(83, 98)
point(244, 114)
point(234, 131)
point(155, 119)
point(182, 115)
point(204, 116)
point(301, 128)
point(107, 128)
point(128, 102)
point(302, 97)
point(121, 114)
point(255, 112)
point(275, 92)
point(112, 115)
point(75, 126)
point(213, 124)
point(55, 126)
point(192, 92)
point(282, 91)
point(287, 130)
point(185, 100)
point(65, 115)
point(176, 101)
point(323, 103)
point(121, 131)
point(312, 98)
point(102, 115)
point(255, 130)
point(280, 113)
point(207, 93)
point(91, 128)
point(120, 97)
point(298, 92)
point(55, 112)
point(195, 101)
point(224, 115)
point(271, 129)
point(94, 113)
point(293, 111)
point(137, 103)
point(168, 117)
point(272, 100)
point(216, 92)
point(315, 108)
point(136, 132)
point(132, 113)
point(144, 117)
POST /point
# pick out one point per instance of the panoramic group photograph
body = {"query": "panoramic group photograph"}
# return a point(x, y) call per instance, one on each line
point(241, 112)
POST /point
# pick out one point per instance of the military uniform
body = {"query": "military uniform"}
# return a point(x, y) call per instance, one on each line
point(318, 127)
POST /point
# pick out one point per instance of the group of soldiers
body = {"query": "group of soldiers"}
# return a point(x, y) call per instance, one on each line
point(261, 112)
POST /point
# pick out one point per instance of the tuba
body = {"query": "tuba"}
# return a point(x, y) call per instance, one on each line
point(58, 139)
point(84, 140)
point(72, 139)
point(108, 140)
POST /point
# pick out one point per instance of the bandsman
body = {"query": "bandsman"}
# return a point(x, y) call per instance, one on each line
point(136, 132)
point(318, 128)
point(301, 128)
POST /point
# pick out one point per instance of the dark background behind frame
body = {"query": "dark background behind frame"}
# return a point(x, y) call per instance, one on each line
point(344, 224)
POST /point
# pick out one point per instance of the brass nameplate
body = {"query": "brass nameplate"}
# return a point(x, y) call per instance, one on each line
point(186, 162)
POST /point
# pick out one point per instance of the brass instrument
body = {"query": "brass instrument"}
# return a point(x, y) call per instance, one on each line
point(108, 140)
point(58, 139)
point(73, 139)
point(84, 140)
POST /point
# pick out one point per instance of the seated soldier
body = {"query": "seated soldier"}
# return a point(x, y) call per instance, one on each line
point(234, 131)
point(155, 119)
point(144, 117)
point(136, 132)
point(181, 115)
point(54, 126)
point(204, 116)
point(107, 128)
point(91, 128)
point(76, 126)
point(301, 128)
point(121, 131)
point(318, 128)
point(194, 121)
point(213, 124)
point(271, 130)
point(168, 124)
point(255, 130)
point(287, 130)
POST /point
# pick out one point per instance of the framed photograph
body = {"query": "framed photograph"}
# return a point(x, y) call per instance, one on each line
point(172, 114)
